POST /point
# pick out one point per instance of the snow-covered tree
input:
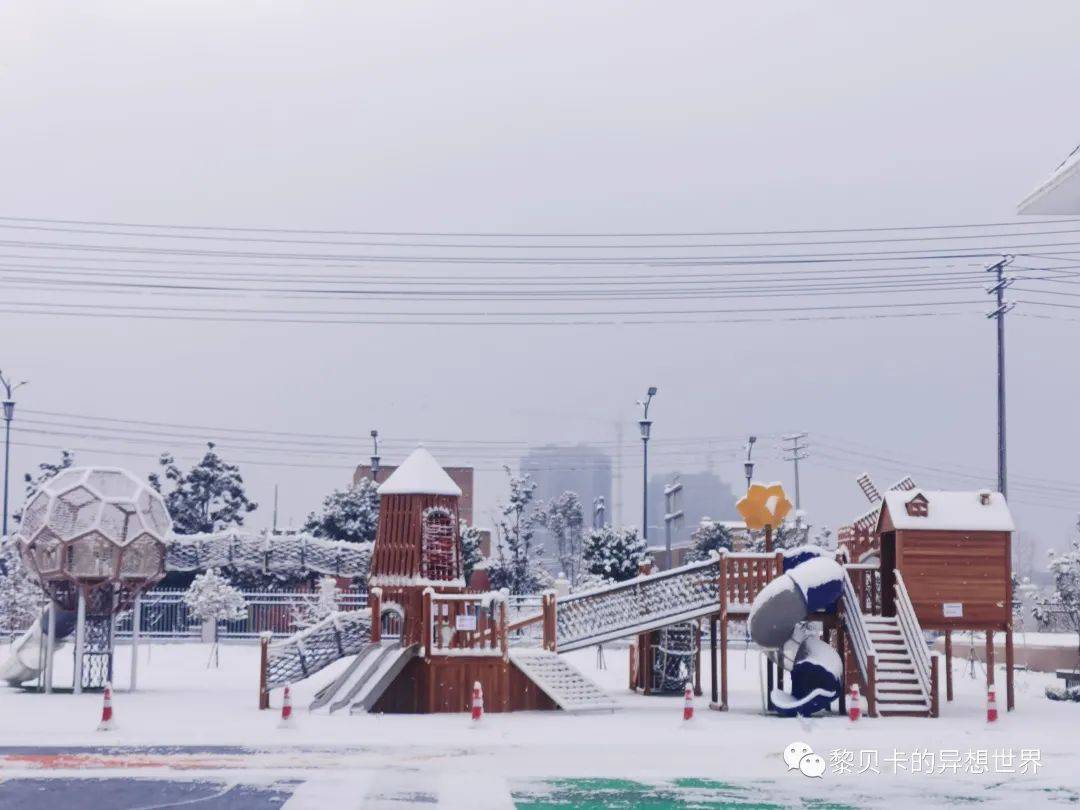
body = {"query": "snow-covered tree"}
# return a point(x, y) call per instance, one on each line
point(212, 598)
point(564, 519)
point(20, 596)
point(348, 514)
point(789, 534)
point(471, 553)
point(1062, 605)
point(207, 498)
point(709, 536)
point(517, 564)
point(321, 604)
point(823, 538)
point(614, 555)
point(46, 470)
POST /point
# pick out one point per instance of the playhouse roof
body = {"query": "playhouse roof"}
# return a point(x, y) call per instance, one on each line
point(419, 474)
point(950, 511)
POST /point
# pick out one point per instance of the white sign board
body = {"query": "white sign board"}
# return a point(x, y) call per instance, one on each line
point(953, 610)
point(465, 622)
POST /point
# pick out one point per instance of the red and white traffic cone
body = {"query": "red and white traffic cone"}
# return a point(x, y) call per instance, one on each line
point(106, 723)
point(688, 703)
point(991, 706)
point(854, 709)
point(477, 702)
point(287, 720)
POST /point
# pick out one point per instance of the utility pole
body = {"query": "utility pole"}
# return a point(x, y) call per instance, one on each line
point(998, 289)
point(274, 529)
point(795, 451)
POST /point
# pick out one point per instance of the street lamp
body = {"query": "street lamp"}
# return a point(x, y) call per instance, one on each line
point(375, 456)
point(748, 465)
point(9, 414)
point(646, 428)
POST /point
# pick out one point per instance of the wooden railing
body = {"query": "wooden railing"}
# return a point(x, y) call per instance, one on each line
point(861, 646)
point(866, 580)
point(546, 617)
point(913, 637)
point(465, 622)
point(744, 574)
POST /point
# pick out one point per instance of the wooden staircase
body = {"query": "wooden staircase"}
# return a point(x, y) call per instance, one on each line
point(899, 692)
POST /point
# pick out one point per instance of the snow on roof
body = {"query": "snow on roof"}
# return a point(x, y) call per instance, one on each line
point(951, 511)
point(419, 474)
point(1060, 194)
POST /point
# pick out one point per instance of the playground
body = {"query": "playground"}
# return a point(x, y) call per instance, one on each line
point(797, 676)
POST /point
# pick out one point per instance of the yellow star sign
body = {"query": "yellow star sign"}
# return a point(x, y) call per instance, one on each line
point(763, 505)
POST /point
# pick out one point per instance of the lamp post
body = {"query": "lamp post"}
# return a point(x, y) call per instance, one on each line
point(748, 465)
point(9, 414)
point(375, 456)
point(646, 427)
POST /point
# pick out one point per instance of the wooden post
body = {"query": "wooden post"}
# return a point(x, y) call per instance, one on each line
point(425, 624)
point(935, 709)
point(723, 661)
point(264, 662)
point(375, 603)
point(548, 602)
point(715, 689)
point(948, 666)
point(645, 671)
point(697, 658)
point(768, 538)
point(1010, 661)
point(871, 686)
point(633, 666)
point(989, 658)
point(504, 635)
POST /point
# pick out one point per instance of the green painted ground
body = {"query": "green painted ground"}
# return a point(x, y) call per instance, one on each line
point(616, 794)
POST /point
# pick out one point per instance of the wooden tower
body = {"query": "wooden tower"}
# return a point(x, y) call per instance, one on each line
point(417, 545)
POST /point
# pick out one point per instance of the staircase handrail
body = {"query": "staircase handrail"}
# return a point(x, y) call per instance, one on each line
point(857, 632)
point(913, 636)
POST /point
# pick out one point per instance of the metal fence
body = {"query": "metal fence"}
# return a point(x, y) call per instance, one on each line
point(165, 616)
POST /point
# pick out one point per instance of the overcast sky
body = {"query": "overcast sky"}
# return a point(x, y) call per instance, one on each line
point(562, 117)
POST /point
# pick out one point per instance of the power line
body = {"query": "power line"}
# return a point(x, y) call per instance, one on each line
point(338, 232)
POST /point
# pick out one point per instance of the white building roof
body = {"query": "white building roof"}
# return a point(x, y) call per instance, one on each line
point(419, 474)
point(951, 511)
point(1060, 194)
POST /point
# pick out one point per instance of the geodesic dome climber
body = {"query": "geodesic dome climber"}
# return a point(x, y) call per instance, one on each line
point(94, 537)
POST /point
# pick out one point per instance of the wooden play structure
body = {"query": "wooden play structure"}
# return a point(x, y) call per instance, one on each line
point(424, 639)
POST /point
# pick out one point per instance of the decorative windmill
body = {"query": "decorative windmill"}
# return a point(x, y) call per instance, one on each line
point(857, 542)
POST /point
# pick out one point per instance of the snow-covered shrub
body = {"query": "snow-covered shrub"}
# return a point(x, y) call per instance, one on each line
point(348, 514)
point(471, 554)
point(1068, 693)
point(21, 597)
point(1062, 606)
point(212, 599)
point(564, 519)
point(614, 555)
point(709, 536)
point(321, 604)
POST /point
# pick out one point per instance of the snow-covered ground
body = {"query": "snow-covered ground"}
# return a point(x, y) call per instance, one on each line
point(180, 702)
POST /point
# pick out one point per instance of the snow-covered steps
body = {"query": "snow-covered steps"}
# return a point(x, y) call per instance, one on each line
point(899, 693)
point(561, 682)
